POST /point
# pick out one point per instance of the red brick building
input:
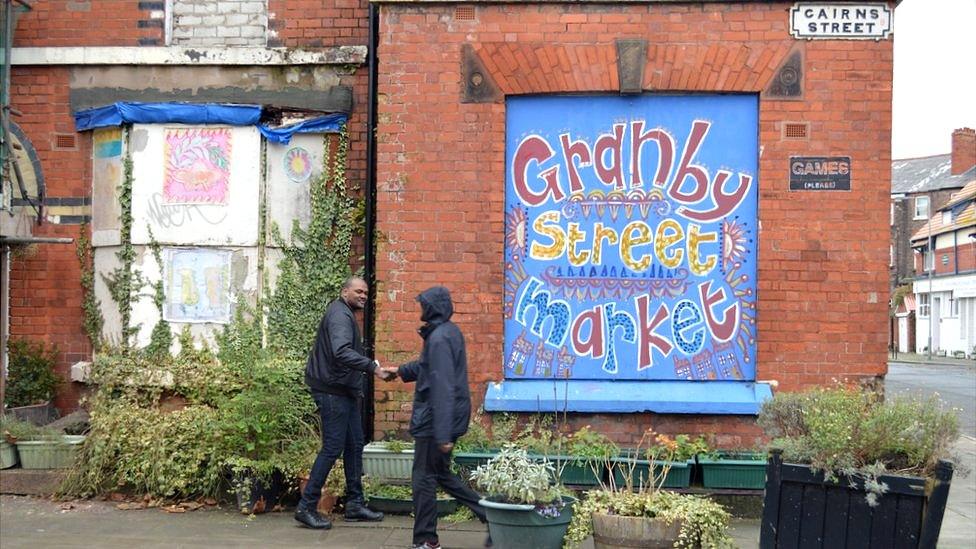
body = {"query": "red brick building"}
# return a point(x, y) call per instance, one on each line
point(446, 73)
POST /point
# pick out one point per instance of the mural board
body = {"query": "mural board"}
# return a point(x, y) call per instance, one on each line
point(197, 285)
point(630, 237)
point(107, 149)
point(292, 168)
point(195, 185)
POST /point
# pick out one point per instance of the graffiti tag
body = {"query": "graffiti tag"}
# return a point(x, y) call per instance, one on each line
point(177, 215)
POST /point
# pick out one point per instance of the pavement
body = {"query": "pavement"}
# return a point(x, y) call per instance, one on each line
point(31, 522)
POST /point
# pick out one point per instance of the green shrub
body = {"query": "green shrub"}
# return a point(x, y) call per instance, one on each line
point(845, 430)
point(30, 377)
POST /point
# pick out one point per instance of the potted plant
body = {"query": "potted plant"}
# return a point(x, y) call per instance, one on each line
point(587, 453)
point(647, 516)
point(42, 447)
point(397, 499)
point(12, 430)
point(855, 469)
point(31, 381)
point(733, 469)
point(268, 434)
point(526, 508)
point(637, 467)
point(388, 459)
point(474, 448)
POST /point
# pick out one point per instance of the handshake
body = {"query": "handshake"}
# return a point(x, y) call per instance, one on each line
point(386, 374)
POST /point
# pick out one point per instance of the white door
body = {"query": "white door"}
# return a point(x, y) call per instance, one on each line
point(903, 334)
point(936, 320)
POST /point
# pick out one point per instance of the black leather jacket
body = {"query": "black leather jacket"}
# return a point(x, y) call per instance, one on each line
point(337, 361)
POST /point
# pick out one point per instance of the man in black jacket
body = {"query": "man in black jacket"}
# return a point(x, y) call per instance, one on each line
point(441, 411)
point(334, 374)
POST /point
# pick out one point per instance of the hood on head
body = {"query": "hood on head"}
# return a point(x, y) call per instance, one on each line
point(435, 305)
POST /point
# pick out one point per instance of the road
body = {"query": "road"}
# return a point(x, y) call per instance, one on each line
point(955, 384)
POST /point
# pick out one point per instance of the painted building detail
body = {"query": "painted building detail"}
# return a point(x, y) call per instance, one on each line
point(197, 285)
point(630, 246)
point(197, 168)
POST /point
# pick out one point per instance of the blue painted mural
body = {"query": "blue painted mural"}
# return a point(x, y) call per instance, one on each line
point(630, 237)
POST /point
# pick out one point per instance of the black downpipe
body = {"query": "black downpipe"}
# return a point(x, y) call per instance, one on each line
point(369, 331)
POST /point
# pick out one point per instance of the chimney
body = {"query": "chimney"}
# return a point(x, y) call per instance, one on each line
point(963, 150)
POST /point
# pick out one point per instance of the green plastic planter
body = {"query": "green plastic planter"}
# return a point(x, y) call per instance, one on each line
point(578, 473)
point(8, 455)
point(472, 460)
point(384, 465)
point(523, 527)
point(734, 470)
point(678, 477)
point(49, 453)
point(394, 506)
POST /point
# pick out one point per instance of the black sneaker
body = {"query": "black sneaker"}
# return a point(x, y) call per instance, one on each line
point(361, 513)
point(488, 541)
point(311, 519)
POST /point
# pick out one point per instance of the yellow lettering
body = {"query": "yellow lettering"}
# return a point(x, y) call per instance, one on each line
point(629, 241)
point(669, 232)
point(695, 239)
point(548, 252)
point(575, 237)
point(601, 233)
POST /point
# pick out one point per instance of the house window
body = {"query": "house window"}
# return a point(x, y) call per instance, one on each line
point(929, 264)
point(947, 217)
point(921, 207)
point(923, 305)
point(953, 306)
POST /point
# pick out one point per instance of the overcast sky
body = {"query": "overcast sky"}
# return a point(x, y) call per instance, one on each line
point(935, 75)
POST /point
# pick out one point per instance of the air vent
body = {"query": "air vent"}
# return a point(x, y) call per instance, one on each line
point(464, 13)
point(65, 141)
point(796, 130)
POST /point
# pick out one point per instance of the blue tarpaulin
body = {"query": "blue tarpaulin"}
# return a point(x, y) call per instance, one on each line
point(120, 113)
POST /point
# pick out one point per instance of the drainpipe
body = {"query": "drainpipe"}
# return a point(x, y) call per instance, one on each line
point(369, 319)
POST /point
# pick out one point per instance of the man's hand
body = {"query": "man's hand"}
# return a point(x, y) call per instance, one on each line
point(446, 447)
point(384, 373)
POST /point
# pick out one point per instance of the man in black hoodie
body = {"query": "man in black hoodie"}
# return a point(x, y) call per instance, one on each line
point(334, 373)
point(441, 411)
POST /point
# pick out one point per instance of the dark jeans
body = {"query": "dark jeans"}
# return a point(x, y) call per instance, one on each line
point(431, 468)
point(342, 434)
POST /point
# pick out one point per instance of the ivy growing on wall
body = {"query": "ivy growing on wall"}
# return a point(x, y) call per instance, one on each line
point(93, 320)
point(124, 283)
point(162, 336)
point(315, 261)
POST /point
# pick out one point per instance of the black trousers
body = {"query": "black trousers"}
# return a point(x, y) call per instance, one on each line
point(342, 434)
point(432, 468)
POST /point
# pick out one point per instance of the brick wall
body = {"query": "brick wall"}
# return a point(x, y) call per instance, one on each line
point(823, 257)
point(45, 295)
point(310, 24)
point(227, 23)
point(91, 23)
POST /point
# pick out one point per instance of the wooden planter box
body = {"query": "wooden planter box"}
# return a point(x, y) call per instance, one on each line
point(384, 465)
point(801, 509)
point(678, 477)
point(732, 470)
point(54, 453)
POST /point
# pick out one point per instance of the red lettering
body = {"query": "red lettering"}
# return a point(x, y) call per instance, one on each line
point(723, 329)
point(593, 346)
point(535, 148)
point(647, 339)
point(686, 169)
point(613, 173)
point(665, 147)
point(576, 149)
point(724, 203)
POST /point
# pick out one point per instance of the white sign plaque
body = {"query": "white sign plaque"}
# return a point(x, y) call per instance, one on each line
point(840, 21)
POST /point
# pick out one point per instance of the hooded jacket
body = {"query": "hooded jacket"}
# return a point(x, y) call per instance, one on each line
point(441, 401)
point(337, 360)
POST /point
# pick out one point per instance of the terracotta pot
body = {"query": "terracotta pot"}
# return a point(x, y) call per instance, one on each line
point(615, 531)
